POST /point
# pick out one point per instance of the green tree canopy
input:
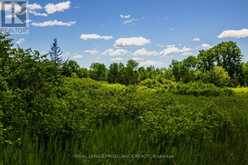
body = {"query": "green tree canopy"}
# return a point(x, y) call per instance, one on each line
point(98, 72)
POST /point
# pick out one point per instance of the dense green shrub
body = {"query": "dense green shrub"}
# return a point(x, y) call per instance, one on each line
point(219, 76)
point(158, 83)
point(181, 123)
point(200, 89)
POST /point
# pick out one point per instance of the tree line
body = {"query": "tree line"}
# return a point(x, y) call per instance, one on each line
point(221, 65)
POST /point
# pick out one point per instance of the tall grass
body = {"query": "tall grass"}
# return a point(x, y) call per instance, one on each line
point(125, 139)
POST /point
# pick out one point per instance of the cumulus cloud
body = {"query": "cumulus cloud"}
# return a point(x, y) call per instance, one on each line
point(172, 49)
point(116, 52)
point(117, 59)
point(38, 13)
point(242, 33)
point(125, 16)
point(32, 9)
point(127, 19)
point(138, 59)
point(150, 63)
point(50, 8)
point(76, 57)
point(97, 59)
point(59, 7)
point(53, 23)
point(130, 21)
point(94, 37)
point(34, 6)
point(91, 52)
point(144, 52)
point(116, 55)
point(206, 46)
point(131, 41)
point(196, 39)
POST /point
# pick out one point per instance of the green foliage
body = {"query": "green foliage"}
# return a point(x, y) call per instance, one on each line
point(131, 73)
point(56, 53)
point(201, 89)
point(115, 73)
point(240, 91)
point(72, 69)
point(244, 77)
point(227, 54)
point(196, 88)
point(179, 70)
point(159, 83)
point(98, 72)
point(219, 76)
point(185, 70)
point(181, 122)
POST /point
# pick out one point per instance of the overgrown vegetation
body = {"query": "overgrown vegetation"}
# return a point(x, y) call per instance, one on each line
point(53, 112)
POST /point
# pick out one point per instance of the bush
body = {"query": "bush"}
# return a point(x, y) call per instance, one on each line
point(183, 122)
point(159, 83)
point(200, 89)
point(219, 76)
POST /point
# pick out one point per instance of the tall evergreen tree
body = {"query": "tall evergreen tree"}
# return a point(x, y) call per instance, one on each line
point(55, 52)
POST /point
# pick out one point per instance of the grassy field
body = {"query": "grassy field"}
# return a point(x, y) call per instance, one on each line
point(115, 124)
point(240, 91)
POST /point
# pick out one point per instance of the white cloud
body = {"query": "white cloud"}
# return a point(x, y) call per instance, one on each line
point(144, 52)
point(242, 33)
point(50, 8)
point(34, 6)
point(97, 59)
point(38, 13)
point(196, 39)
point(91, 52)
point(172, 49)
point(117, 59)
point(77, 57)
point(206, 46)
point(53, 23)
point(138, 59)
point(94, 37)
point(59, 7)
point(125, 16)
point(130, 21)
point(127, 19)
point(150, 63)
point(131, 41)
point(116, 52)
point(71, 55)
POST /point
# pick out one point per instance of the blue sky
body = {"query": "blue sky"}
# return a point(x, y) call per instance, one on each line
point(153, 32)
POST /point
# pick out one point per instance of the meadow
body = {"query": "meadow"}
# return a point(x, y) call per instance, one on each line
point(111, 121)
